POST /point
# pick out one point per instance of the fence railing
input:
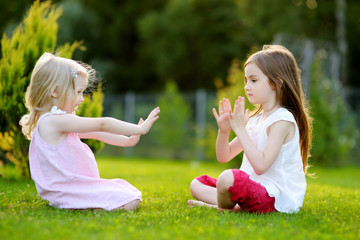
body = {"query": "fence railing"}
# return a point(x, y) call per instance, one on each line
point(132, 106)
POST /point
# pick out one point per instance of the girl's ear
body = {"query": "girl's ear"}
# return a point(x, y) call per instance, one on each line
point(54, 92)
point(281, 82)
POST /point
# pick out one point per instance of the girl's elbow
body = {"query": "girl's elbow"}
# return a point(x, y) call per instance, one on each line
point(132, 144)
point(259, 171)
point(132, 141)
point(222, 159)
point(126, 144)
point(104, 123)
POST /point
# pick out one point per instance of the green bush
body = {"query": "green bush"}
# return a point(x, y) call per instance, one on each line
point(34, 36)
point(174, 120)
point(335, 131)
point(92, 106)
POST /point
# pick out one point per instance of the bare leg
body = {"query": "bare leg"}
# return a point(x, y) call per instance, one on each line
point(236, 208)
point(204, 193)
point(200, 204)
point(210, 196)
point(225, 180)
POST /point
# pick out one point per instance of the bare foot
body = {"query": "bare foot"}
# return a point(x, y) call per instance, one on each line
point(130, 206)
point(193, 203)
point(236, 208)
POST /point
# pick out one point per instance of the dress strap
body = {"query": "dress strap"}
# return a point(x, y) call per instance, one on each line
point(54, 110)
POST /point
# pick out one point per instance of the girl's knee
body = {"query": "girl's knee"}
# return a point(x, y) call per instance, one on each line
point(225, 180)
point(194, 186)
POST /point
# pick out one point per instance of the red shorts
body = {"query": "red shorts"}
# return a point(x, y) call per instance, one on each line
point(250, 195)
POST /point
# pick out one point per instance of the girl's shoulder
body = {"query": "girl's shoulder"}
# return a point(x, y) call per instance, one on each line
point(282, 114)
point(278, 115)
point(255, 118)
point(48, 129)
point(54, 110)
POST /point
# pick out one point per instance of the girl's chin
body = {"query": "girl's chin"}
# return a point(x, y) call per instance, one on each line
point(251, 100)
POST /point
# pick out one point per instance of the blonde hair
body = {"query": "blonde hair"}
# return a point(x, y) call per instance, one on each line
point(280, 66)
point(51, 72)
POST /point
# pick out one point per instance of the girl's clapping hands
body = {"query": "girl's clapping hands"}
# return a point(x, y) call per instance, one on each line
point(239, 117)
point(223, 119)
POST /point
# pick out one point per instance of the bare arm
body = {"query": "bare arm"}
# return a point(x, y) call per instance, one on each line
point(260, 160)
point(113, 139)
point(225, 151)
point(54, 128)
point(73, 123)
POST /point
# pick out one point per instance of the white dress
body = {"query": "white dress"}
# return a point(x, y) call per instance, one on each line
point(285, 179)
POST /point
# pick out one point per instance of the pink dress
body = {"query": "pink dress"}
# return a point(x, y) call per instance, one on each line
point(67, 175)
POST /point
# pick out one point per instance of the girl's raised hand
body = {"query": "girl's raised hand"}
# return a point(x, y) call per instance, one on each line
point(239, 117)
point(223, 119)
point(147, 124)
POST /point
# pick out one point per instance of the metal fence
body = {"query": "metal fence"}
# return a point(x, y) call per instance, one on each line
point(132, 106)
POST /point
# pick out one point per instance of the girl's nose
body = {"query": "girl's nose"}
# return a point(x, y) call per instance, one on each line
point(246, 87)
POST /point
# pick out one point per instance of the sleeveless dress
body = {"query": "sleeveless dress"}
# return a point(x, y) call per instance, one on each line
point(285, 179)
point(66, 175)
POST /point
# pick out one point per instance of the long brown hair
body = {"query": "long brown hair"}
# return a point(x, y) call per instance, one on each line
point(280, 66)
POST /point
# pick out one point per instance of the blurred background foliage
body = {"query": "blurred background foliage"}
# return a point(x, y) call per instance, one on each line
point(174, 126)
point(29, 40)
point(174, 47)
point(336, 136)
point(132, 43)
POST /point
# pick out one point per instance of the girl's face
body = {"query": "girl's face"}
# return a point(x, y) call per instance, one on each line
point(75, 100)
point(258, 88)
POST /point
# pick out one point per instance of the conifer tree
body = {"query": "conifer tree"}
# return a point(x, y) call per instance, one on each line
point(34, 36)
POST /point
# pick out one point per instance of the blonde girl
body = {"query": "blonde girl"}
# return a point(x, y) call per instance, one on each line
point(276, 140)
point(63, 168)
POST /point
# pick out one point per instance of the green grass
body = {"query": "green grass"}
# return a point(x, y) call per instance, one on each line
point(331, 209)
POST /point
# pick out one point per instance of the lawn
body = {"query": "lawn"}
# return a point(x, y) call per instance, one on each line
point(331, 209)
